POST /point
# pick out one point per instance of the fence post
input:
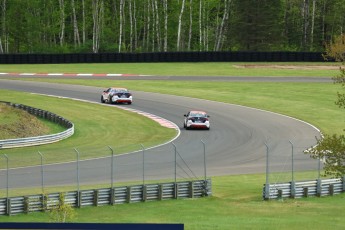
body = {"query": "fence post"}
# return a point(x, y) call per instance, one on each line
point(42, 172)
point(205, 185)
point(144, 192)
point(112, 168)
point(267, 185)
point(175, 187)
point(112, 196)
point(343, 183)
point(95, 197)
point(293, 189)
point(26, 205)
point(319, 187)
point(305, 191)
point(331, 189)
point(280, 194)
point(292, 185)
point(160, 192)
point(191, 189)
point(7, 176)
point(112, 189)
point(8, 207)
point(44, 202)
point(143, 150)
point(77, 169)
point(79, 199)
point(129, 194)
point(203, 143)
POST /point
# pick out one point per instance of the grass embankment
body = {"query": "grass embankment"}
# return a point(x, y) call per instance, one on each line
point(236, 202)
point(17, 123)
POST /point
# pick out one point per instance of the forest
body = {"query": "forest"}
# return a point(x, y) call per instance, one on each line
point(137, 26)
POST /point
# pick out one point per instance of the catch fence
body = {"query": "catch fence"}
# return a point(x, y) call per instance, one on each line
point(284, 178)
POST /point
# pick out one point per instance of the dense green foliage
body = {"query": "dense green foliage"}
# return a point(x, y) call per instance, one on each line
point(331, 148)
point(61, 26)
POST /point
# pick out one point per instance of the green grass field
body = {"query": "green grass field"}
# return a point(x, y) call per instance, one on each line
point(237, 200)
point(185, 69)
point(236, 203)
point(92, 133)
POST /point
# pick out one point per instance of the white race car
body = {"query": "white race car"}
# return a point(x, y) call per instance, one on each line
point(115, 95)
point(196, 120)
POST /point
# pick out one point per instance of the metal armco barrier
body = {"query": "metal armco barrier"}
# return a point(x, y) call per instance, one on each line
point(107, 196)
point(39, 140)
point(299, 189)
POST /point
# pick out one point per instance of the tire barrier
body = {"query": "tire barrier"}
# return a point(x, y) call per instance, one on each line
point(39, 140)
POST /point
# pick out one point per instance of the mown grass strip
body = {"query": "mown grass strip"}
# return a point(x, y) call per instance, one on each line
point(294, 69)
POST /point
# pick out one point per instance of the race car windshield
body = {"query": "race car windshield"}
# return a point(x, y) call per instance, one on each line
point(197, 115)
point(120, 91)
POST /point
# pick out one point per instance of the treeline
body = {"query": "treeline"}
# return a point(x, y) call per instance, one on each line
point(85, 26)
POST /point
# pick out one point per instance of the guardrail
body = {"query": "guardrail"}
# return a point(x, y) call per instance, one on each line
point(299, 189)
point(107, 196)
point(39, 140)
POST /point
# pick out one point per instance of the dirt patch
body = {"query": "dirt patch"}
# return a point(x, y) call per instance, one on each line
point(298, 67)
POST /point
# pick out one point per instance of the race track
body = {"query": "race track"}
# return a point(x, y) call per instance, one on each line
point(235, 144)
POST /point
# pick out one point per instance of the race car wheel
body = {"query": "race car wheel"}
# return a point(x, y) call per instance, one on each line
point(102, 99)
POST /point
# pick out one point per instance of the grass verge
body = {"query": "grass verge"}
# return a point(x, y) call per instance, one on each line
point(236, 204)
point(294, 69)
point(93, 131)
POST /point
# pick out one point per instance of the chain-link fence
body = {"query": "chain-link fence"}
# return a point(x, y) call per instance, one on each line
point(291, 172)
point(97, 167)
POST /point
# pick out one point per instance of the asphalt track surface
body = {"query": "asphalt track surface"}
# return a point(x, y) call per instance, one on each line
point(237, 143)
